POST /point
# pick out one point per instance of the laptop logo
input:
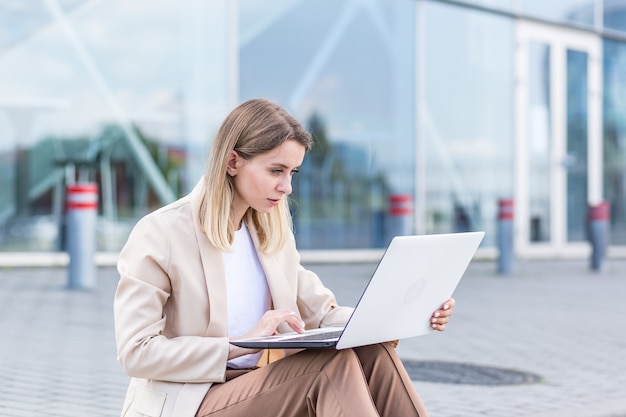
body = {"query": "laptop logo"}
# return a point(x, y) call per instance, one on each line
point(414, 291)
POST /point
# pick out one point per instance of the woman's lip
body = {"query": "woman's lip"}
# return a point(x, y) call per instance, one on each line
point(273, 201)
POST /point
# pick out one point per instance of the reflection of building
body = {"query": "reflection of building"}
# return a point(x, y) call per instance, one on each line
point(456, 103)
point(52, 163)
point(344, 191)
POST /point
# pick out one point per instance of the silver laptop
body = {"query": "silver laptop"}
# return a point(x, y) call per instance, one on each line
point(415, 276)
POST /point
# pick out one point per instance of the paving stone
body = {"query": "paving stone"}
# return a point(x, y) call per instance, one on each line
point(555, 319)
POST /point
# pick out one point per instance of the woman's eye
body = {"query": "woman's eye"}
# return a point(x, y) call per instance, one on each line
point(277, 171)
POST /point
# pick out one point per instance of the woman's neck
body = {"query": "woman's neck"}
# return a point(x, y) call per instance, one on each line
point(237, 221)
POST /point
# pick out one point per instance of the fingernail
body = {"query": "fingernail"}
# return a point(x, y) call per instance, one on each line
point(445, 307)
point(437, 314)
point(433, 320)
point(434, 326)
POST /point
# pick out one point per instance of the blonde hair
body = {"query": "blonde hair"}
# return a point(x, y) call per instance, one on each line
point(254, 127)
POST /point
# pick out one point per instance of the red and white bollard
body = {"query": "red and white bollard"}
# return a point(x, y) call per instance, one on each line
point(599, 217)
point(82, 215)
point(505, 236)
point(401, 211)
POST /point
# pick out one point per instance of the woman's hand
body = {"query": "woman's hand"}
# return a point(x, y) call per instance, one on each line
point(267, 326)
point(441, 317)
point(271, 319)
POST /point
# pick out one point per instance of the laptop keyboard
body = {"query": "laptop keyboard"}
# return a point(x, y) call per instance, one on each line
point(317, 336)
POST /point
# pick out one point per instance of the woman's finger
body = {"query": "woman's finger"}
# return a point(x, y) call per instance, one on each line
point(438, 327)
point(295, 322)
point(274, 318)
point(448, 305)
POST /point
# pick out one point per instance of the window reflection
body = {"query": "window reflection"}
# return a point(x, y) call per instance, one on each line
point(82, 90)
point(539, 143)
point(345, 68)
point(136, 111)
point(579, 11)
point(469, 139)
point(615, 14)
point(615, 137)
point(577, 149)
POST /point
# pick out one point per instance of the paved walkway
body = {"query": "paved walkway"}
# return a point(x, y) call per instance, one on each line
point(554, 319)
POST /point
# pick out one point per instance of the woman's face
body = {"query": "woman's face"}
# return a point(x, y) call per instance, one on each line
point(261, 182)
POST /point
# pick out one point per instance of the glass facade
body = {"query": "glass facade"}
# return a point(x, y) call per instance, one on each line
point(346, 70)
point(122, 94)
point(468, 79)
point(577, 12)
point(411, 104)
point(577, 144)
point(539, 144)
point(580, 12)
point(615, 137)
point(614, 15)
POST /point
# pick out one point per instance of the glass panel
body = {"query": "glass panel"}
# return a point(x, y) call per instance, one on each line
point(572, 12)
point(100, 100)
point(615, 15)
point(615, 137)
point(539, 143)
point(576, 11)
point(504, 5)
point(345, 69)
point(576, 160)
point(469, 152)
point(19, 20)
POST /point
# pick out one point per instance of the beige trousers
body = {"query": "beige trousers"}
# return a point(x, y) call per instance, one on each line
point(360, 382)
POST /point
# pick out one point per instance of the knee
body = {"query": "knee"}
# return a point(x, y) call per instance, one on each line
point(377, 354)
point(345, 359)
point(325, 358)
point(386, 349)
point(346, 355)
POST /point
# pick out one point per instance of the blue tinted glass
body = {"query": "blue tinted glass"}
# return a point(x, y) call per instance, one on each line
point(576, 164)
point(615, 137)
point(505, 5)
point(575, 11)
point(615, 15)
point(539, 143)
point(346, 70)
point(19, 21)
point(468, 124)
point(97, 99)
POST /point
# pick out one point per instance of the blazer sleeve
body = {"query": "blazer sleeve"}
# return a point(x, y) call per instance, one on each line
point(143, 290)
point(317, 304)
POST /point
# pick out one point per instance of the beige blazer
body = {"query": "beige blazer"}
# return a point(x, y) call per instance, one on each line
point(170, 309)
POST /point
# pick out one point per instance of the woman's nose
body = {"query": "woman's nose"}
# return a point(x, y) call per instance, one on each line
point(284, 186)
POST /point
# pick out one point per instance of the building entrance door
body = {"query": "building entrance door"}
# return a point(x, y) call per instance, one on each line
point(558, 138)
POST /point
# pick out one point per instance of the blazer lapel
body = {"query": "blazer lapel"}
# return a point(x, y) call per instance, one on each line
point(214, 274)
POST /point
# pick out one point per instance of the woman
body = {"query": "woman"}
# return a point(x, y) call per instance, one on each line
point(221, 264)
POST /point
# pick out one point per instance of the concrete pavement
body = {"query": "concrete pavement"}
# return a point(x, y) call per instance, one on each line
point(554, 319)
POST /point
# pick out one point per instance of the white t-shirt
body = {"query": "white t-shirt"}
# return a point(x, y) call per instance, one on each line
point(248, 296)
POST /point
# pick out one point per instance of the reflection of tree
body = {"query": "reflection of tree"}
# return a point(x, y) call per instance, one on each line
point(615, 174)
point(106, 159)
point(130, 182)
point(321, 146)
point(33, 203)
point(614, 141)
point(168, 159)
point(323, 155)
point(339, 194)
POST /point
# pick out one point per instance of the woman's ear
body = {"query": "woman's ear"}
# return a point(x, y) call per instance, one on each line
point(231, 166)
